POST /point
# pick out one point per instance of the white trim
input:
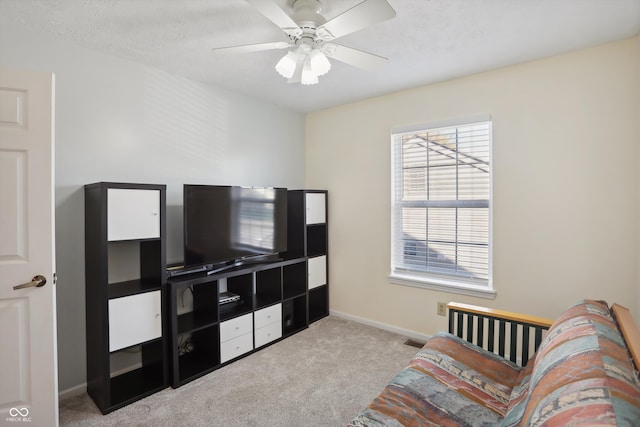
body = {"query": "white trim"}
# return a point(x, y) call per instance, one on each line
point(385, 327)
point(462, 289)
point(72, 392)
point(441, 123)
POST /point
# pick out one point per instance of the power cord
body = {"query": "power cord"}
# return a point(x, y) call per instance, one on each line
point(185, 345)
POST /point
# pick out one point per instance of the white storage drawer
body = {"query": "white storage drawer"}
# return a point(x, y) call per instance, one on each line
point(132, 214)
point(235, 327)
point(315, 203)
point(134, 319)
point(317, 271)
point(235, 347)
point(266, 334)
point(268, 315)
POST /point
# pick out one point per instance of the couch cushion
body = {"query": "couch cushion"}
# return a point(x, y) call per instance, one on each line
point(581, 375)
point(448, 383)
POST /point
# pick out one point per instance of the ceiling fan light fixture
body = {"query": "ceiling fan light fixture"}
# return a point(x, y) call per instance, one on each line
point(287, 65)
point(319, 62)
point(309, 31)
point(308, 76)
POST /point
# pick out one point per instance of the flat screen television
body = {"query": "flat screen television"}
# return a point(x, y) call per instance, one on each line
point(226, 225)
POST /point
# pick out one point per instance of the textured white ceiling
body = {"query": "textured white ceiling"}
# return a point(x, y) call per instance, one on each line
point(428, 41)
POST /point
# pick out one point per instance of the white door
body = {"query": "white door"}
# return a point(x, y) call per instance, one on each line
point(28, 356)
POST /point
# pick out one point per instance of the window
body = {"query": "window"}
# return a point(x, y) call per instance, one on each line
point(441, 197)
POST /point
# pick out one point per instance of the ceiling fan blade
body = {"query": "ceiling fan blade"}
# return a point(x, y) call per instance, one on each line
point(253, 47)
point(357, 58)
point(360, 16)
point(275, 14)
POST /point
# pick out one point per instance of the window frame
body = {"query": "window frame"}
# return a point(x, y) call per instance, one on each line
point(430, 280)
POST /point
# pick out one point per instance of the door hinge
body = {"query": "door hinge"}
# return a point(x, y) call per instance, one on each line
point(55, 278)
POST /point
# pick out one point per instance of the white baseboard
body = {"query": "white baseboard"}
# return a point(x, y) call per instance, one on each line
point(72, 392)
point(385, 327)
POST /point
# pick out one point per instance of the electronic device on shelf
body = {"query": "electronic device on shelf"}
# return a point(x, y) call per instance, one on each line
point(181, 270)
point(228, 226)
point(228, 297)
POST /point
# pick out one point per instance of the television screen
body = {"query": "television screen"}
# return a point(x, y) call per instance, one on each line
point(227, 223)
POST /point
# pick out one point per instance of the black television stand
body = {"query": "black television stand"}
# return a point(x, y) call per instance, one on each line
point(269, 303)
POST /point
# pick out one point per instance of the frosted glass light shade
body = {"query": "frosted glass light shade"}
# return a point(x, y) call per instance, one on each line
point(308, 76)
point(287, 65)
point(319, 62)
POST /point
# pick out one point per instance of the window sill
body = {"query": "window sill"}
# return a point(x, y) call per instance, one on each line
point(443, 286)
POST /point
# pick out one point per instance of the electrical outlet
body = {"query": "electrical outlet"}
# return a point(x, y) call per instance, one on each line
point(442, 308)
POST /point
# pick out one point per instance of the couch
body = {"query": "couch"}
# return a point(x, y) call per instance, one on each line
point(582, 374)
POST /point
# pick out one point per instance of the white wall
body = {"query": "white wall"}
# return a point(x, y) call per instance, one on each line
point(565, 196)
point(120, 121)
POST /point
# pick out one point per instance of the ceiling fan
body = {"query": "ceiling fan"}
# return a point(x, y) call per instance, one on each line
point(311, 34)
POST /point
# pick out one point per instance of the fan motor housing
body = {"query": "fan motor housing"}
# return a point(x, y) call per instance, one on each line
point(306, 13)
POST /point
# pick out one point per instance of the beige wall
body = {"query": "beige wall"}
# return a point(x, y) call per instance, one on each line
point(566, 186)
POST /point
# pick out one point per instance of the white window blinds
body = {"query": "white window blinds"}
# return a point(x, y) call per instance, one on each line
point(441, 194)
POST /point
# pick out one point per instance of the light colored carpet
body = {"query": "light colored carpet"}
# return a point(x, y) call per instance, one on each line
point(322, 376)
